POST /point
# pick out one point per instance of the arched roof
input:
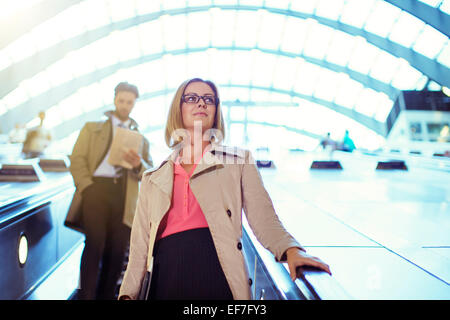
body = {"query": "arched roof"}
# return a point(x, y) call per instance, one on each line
point(349, 57)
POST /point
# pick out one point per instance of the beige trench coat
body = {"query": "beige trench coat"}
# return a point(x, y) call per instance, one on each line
point(225, 179)
point(88, 152)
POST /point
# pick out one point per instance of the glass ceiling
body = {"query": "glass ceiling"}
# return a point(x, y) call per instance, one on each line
point(291, 69)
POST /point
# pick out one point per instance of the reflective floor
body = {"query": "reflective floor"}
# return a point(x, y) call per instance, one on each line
point(385, 234)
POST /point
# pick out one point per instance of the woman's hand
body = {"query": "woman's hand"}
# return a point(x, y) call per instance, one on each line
point(298, 258)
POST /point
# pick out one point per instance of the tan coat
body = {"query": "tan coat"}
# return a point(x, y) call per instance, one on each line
point(89, 150)
point(225, 179)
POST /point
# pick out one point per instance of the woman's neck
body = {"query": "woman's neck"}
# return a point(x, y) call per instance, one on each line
point(193, 152)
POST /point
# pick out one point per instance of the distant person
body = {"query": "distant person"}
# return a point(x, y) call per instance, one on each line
point(327, 141)
point(105, 199)
point(190, 209)
point(347, 143)
point(18, 134)
point(37, 139)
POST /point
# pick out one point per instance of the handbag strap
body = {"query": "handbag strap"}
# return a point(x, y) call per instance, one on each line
point(153, 231)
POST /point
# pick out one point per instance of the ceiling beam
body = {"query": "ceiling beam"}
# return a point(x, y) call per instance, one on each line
point(30, 108)
point(432, 16)
point(14, 74)
point(66, 128)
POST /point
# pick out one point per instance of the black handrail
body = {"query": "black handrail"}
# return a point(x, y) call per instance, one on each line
point(311, 283)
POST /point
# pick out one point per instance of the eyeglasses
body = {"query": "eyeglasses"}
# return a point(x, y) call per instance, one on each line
point(193, 98)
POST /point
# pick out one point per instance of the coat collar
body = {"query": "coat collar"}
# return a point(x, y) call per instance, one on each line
point(109, 114)
point(213, 158)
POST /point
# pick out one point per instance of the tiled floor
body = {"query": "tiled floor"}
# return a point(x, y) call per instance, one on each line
point(385, 234)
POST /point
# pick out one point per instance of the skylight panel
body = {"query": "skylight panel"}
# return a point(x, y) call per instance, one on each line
point(272, 26)
point(406, 77)
point(307, 76)
point(76, 99)
point(355, 12)
point(68, 21)
point(59, 72)
point(382, 18)
point(304, 6)
point(294, 36)
point(259, 95)
point(384, 67)
point(318, 40)
point(174, 32)
point(384, 108)
point(247, 28)
point(327, 85)
point(263, 68)
point(242, 94)
point(431, 3)
point(285, 73)
point(197, 65)
point(197, 3)
point(220, 65)
point(155, 80)
point(145, 6)
point(15, 97)
point(430, 42)
point(347, 92)
point(445, 6)
point(330, 9)
point(367, 102)
point(242, 64)
point(444, 56)
point(281, 4)
point(53, 116)
point(174, 69)
point(363, 55)
point(101, 53)
point(36, 85)
point(150, 37)
point(5, 60)
point(406, 29)
point(341, 48)
point(22, 48)
point(45, 35)
point(94, 100)
point(99, 13)
point(127, 44)
point(106, 92)
point(10, 8)
point(223, 22)
point(257, 3)
point(198, 31)
point(172, 4)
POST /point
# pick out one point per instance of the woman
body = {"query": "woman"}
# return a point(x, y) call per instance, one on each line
point(190, 210)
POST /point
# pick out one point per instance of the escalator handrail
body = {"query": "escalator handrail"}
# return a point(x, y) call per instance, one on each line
point(311, 283)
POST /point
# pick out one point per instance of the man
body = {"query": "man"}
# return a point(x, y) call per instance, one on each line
point(105, 199)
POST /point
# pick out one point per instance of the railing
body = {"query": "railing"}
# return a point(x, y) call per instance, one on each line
point(271, 280)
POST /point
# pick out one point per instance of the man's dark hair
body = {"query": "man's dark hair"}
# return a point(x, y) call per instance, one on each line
point(125, 86)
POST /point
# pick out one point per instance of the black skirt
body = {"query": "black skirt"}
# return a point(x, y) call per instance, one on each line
point(186, 267)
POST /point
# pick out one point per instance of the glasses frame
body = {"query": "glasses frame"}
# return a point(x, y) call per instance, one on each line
point(216, 100)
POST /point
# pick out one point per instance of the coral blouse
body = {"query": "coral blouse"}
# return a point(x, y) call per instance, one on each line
point(185, 212)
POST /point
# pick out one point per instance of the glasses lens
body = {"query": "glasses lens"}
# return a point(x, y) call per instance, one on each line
point(209, 99)
point(191, 98)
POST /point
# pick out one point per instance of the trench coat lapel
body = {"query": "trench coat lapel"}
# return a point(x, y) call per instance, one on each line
point(163, 177)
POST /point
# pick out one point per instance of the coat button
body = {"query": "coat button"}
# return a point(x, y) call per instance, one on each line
point(239, 246)
point(250, 281)
point(229, 212)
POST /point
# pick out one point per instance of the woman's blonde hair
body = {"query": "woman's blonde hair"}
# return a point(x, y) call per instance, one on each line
point(175, 119)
